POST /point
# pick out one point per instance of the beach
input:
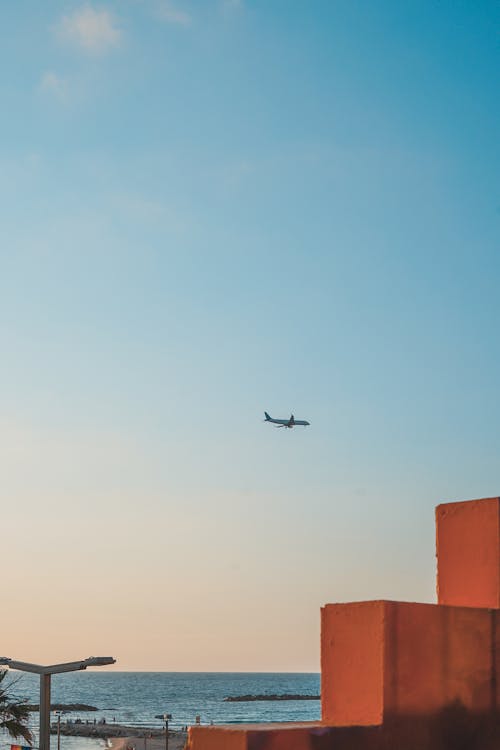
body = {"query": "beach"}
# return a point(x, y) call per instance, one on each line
point(122, 737)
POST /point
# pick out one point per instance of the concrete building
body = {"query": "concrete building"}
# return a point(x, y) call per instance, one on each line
point(401, 675)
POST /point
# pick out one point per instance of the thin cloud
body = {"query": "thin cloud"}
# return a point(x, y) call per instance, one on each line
point(52, 84)
point(168, 12)
point(94, 31)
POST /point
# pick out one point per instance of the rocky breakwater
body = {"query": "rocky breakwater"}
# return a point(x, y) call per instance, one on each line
point(270, 697)
point(83, 707)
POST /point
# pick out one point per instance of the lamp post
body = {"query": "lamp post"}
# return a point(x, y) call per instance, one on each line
point(46, 673)
point(165, 718)
point(58, 714)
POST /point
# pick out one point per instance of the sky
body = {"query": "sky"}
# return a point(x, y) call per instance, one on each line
point(212, 208)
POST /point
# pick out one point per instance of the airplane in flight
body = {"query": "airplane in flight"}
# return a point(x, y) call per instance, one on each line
point(286, 422)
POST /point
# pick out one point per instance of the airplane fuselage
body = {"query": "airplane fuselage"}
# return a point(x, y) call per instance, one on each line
point(292, 422)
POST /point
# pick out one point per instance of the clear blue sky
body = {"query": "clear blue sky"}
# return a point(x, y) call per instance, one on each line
point(213, 208)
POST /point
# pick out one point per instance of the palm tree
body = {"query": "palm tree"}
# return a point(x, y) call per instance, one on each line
point(14, 713)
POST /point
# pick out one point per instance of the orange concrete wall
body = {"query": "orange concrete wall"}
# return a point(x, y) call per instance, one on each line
point(385, 659)
point(468, 553)
point(352, 661)
point(451, 729)
point(216, 738)
point(436, 655)
point(299, 736)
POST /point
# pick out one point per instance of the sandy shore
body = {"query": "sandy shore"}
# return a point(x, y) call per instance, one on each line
point(121, 737)
point(176, 741)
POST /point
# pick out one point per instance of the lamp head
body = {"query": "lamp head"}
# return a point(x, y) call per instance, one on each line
point(99, 661)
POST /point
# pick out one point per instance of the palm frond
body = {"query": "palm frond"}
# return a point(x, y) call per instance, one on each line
point(14, 714)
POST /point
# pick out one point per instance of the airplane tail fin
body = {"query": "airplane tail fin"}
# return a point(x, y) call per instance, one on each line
point(267, 416)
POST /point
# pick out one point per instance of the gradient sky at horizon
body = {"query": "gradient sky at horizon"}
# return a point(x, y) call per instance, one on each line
point(211, 209)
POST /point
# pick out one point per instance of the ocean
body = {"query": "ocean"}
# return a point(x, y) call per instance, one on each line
point(135, 698)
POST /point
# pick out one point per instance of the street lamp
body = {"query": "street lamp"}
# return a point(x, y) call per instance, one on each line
point(165, 718)
point(58, 714)
point(46, 673)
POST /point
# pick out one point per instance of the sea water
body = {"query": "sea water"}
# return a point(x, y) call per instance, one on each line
point(136, 698)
